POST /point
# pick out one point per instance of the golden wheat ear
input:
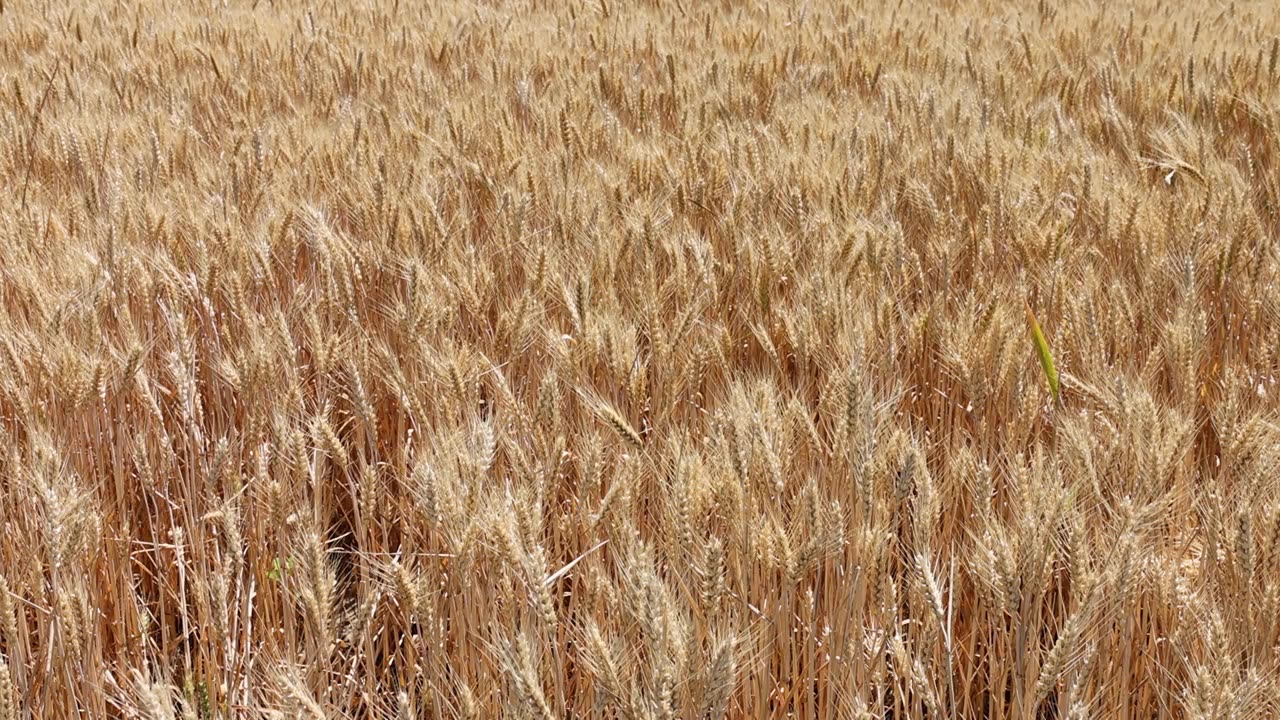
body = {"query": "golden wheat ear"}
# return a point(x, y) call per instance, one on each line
point(612, 417)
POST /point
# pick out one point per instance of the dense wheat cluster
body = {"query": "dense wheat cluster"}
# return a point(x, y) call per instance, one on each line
point(639, 361)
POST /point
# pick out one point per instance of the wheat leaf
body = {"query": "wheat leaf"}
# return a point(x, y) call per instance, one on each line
point(1042, 349)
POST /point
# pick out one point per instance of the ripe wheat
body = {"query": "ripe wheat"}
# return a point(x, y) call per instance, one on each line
point(648, 360)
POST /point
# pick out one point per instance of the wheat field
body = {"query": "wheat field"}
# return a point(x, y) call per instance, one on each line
point(639, 360)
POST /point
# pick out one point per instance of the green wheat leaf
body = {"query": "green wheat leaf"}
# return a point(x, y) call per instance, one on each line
point(1042, 349)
